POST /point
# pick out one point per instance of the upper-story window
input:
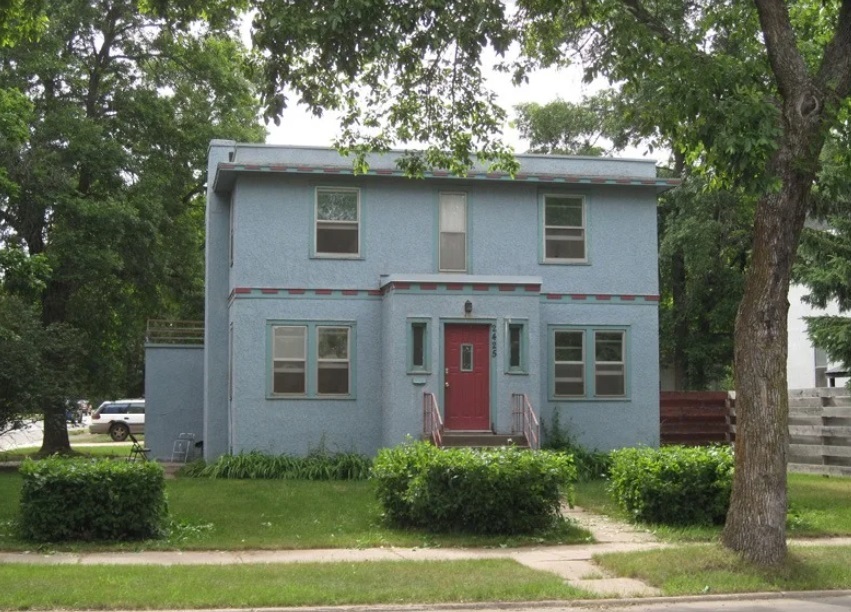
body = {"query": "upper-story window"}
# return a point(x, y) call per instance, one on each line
point(337, 222)
point(564, 228)
point(453, 232)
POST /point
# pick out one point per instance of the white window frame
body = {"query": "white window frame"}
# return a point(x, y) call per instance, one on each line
point(329, 360)
point(304, 360)
point(441, 232)
point(581, 362)
point(583, 228)
point(589, 363)
point(317, 222)
point(621, 363)
point(311, 358)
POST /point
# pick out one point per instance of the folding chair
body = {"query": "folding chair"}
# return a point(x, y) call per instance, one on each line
point(181, 451)
point(137, 451)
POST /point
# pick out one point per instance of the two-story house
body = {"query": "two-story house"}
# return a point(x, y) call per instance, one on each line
point(336, 302)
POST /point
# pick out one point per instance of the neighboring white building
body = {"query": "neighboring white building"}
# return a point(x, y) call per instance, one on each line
point(808, 366)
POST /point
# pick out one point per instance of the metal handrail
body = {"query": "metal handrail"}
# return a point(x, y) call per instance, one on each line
point(525, 420)
point(432, 421)
point(166, 331)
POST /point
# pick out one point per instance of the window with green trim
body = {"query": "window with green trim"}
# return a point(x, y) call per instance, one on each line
point(337, 224)
point(311, 359)
point(564, 228)
point(588, 362)
point(453, 232)
point(419, 345)
point(516, 347)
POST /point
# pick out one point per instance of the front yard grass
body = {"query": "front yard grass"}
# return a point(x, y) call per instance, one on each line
point(818, 508)
point(709, 568)
point(129, 587)
point(114, 450)
point(277, 514)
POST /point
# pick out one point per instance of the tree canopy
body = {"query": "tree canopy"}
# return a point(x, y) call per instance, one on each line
point(102, 174)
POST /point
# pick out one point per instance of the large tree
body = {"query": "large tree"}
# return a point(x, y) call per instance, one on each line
point(704, 235)
point(102, 192)
point(751, 90)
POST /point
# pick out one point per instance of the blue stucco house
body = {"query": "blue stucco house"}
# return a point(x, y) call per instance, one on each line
point(340, 307)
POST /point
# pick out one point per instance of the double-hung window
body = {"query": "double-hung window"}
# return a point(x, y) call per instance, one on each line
point(311, 359)
point(564, 229)
point(588, 363)
point(453, 232)
point(337, 222)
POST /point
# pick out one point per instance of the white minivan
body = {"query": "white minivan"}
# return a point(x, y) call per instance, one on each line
point(119, 418)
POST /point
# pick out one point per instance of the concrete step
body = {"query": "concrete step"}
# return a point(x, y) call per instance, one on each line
point(482, 439)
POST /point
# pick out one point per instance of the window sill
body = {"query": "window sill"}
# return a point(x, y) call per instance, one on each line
point(418, 372)
point(590, 399)
point(331, 256)
point(312, 397)
point(517, 372)
point(565, 262)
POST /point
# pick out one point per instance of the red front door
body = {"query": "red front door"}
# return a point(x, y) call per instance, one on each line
point(466, 395)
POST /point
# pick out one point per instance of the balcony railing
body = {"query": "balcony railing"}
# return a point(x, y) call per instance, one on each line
point(166, 331)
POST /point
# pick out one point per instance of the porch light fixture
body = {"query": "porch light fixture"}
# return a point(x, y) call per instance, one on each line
point(468, 307)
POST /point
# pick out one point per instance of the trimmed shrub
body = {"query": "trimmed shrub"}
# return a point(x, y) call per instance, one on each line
point(674, 485)
point(82, 499)
point(506, 490)
point(256, 465)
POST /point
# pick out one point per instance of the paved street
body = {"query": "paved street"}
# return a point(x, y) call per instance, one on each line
point(31, 435)
point(798, 603)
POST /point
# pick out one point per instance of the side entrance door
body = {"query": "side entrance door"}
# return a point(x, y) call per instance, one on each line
point(466, 394)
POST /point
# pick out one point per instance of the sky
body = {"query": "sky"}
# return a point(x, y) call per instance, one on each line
point(299, 127)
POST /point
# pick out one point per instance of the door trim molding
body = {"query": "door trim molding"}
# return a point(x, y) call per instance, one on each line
point(492, 359)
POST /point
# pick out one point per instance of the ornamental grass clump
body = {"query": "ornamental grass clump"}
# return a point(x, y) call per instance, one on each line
point(84, 499)
point(496, 491)
point(673, 485)
point(318, 465)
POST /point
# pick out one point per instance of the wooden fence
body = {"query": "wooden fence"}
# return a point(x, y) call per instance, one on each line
point(819, 425)
point(696, 417)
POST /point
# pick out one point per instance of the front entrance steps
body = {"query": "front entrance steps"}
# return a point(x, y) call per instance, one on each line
point(482, 439)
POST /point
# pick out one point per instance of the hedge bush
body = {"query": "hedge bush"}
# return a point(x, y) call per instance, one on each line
point(674, 485)
point(505, 491)
point(82, 499)
point(255, 465)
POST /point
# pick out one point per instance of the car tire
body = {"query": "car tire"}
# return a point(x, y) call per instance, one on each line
point(119, 432)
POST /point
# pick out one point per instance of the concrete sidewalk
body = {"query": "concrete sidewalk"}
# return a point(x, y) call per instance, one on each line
point(573, 563)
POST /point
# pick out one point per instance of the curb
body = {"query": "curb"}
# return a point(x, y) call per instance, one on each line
point(563, 604)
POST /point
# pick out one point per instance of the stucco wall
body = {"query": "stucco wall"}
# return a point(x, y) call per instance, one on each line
point(273, 217)
point(174, 396)
point(273, 227)
point(610, 424)
point(303, 424)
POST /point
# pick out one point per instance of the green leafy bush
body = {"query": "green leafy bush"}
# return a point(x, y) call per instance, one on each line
point(506, 490)
point(82, 499)
point(674, 485)
point(590, 464)
point(256, 465)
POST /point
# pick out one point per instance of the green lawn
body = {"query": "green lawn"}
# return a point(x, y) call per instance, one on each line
point(709, 568)
point(276, 514)
point(819, 507)
point(128, 587)
point(115, 449)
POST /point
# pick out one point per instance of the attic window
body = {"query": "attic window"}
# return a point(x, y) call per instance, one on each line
point(337, 224)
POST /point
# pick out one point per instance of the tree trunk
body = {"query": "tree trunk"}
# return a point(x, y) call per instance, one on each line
point(55, 430)
point(756, 521)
